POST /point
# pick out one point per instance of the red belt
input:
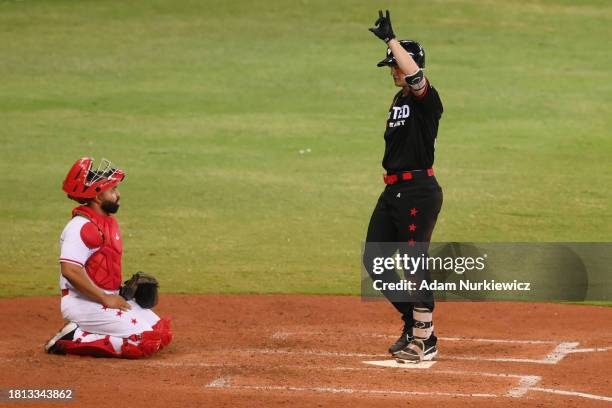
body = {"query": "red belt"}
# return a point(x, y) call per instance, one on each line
point(64, 292)
point(406, 175)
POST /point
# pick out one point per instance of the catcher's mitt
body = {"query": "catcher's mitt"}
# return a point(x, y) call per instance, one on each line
point(143, 288)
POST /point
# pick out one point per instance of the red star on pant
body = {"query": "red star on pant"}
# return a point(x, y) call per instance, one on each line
point(134, 322)
point(412, 227)
point(411, 242)
point(104, 307)
point(86, 333)
point(119, 313)
point(413, 212)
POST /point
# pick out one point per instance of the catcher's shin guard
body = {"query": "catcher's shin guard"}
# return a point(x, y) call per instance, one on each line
point(98, 348)
point(164, 328)
point(149, 343)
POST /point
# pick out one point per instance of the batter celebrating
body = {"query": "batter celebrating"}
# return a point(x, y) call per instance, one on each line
point(101, 323)
point(407, 209)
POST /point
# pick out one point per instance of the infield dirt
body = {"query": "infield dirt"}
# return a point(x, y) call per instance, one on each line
point(310, 350)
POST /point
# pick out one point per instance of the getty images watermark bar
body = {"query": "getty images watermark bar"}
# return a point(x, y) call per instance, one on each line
point(555, 271)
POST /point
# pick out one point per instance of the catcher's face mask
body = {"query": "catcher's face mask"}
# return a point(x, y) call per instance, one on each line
point(86, 180)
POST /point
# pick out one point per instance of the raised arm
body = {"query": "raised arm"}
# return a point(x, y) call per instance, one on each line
point(415, 78)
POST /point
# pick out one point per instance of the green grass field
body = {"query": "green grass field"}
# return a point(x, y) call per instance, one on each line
point(207, 104)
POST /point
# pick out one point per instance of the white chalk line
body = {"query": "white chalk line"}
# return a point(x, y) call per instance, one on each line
point(283, 335)
point(313, 353)
point(220, 382)
point(572, 393)
point(590, 350)
point(506, 341)
point(554, 357)
point(525, 381)
point(336, 368)
point(525, 384)
point(404, 365)
point(499, 359)
point(275, 366)
point(561, 350)
point(225, 383)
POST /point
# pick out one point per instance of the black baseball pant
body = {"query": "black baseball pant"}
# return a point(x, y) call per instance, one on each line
point(406, 212)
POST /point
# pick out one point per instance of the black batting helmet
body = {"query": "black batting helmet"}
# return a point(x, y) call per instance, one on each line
point(414, 49)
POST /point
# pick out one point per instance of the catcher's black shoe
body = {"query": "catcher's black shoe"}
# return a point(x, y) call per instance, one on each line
point(417, 351)
point(66, 333)
point(403, 340)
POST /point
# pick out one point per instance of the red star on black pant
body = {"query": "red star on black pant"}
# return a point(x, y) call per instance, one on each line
point(413, 212)
point(412, 227)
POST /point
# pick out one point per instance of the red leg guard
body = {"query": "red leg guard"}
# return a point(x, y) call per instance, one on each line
point(150, 343)
point(164, 328)
point(98, 348)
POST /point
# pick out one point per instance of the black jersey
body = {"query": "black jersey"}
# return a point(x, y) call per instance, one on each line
point(412, 128)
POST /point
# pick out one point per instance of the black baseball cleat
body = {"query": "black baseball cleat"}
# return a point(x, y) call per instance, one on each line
point(403, 340)
point(417, 351)
point(66, 333)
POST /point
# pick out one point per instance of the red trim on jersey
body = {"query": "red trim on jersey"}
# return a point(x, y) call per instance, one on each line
point(71, 261)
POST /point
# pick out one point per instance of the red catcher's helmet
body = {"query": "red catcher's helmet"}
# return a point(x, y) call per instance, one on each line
point(83, 181)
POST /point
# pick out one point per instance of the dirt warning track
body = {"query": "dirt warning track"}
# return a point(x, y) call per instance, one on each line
point(308, 350)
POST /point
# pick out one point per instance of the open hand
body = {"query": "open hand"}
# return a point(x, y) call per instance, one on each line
point(116, 302)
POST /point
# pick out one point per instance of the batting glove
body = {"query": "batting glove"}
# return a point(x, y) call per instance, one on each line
point(383, 29)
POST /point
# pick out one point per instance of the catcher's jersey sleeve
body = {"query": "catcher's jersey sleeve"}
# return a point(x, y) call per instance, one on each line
point(72, 248)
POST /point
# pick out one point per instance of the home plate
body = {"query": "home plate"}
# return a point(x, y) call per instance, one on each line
point(395, 364)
